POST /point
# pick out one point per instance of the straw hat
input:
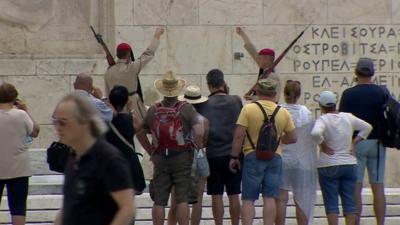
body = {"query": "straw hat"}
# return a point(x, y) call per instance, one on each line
point(192, 95)
point(170, 85)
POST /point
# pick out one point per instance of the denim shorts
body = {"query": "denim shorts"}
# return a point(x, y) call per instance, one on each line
point(260, 176)
point(338, 181)
point(373, 158)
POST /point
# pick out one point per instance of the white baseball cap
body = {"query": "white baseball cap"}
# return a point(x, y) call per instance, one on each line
point(327, 99)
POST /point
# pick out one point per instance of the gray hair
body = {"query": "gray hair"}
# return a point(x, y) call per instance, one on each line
point(85, 112)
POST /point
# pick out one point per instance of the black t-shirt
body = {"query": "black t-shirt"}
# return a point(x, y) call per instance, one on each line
point(201, 108)
point(222, 111)
point(89, 183)
point(124, 124)
point(365, 101)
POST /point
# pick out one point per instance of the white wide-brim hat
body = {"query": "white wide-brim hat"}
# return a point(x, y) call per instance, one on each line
point(193, 95)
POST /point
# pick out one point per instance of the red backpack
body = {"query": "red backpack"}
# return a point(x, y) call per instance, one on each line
point(168, 127)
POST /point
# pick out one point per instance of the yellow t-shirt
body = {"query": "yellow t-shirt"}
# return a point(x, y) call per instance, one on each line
point(252, 118)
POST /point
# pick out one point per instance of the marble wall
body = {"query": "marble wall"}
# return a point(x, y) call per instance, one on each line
point(43, 59)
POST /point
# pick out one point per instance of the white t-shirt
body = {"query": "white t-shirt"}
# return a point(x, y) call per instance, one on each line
point(337, 129)
point(15, 127)
point(301, 115)
point(300, 152)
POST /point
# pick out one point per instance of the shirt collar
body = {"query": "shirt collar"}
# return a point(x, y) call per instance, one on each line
point(122, 61)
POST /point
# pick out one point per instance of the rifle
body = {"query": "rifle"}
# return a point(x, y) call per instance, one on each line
point(267, 72)
point(99, 39)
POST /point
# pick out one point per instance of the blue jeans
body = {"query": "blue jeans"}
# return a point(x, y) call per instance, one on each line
point(260, 176)
point(335, 181)
point(371, 156)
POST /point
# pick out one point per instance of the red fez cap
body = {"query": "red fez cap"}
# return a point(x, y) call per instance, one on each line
point(267, 51)
point(124, 47)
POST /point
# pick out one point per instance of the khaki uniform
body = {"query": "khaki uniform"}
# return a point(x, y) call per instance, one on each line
point(126, 74)
point(251, 49)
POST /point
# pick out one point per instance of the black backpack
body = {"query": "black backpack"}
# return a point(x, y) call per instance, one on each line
point(390, 133)
point(268, 138)
point(57, 156)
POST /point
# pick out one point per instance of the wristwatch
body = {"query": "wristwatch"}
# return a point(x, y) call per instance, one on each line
point(234, 157)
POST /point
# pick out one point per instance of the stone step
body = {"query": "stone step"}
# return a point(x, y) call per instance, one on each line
point(290, 221)
point(144, 214)
point(42, 209)
point(37, 202)
point(45, 185)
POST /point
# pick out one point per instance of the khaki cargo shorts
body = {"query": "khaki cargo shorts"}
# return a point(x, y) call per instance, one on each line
point(172, 171)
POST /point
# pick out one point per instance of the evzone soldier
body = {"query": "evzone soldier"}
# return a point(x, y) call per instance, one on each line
point(125, 71)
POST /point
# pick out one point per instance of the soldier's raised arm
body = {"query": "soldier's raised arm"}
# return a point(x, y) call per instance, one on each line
point(148, 54)
point(248, 45)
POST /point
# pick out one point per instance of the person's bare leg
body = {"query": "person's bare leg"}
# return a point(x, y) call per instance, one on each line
point(350, 219)
point(158, 215)
point(301, 216)
point(218, 209)
point(358, 199)
point(281, 203)
point(172, 211)
point(234, 209)
point(248, 212)
point(183, 213)
point(332, 218)
point(18, 220)
point(197, 208)
point(269, 211)
point(378, 191)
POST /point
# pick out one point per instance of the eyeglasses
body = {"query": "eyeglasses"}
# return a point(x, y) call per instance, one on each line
point(59, 122)
point(296, 81)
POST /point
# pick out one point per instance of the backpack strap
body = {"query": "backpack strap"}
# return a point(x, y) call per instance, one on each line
point(263, 111)
point(157, 106)
point(265, 120)
point(179, 105)
point(274, 113)
point(251, 142)
point(272, 118)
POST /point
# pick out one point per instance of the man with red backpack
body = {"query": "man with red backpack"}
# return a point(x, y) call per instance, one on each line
point(261, 126)
point(172, 124)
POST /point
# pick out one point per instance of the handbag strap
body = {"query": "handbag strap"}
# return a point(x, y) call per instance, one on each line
point(119, 135)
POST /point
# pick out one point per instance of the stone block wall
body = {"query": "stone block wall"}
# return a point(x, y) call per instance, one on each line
point(200, 35)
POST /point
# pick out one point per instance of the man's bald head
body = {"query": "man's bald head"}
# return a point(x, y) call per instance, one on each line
point(83, 82)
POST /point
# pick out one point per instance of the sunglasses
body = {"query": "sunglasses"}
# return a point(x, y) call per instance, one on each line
point(296, 81)
point(59, 122)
